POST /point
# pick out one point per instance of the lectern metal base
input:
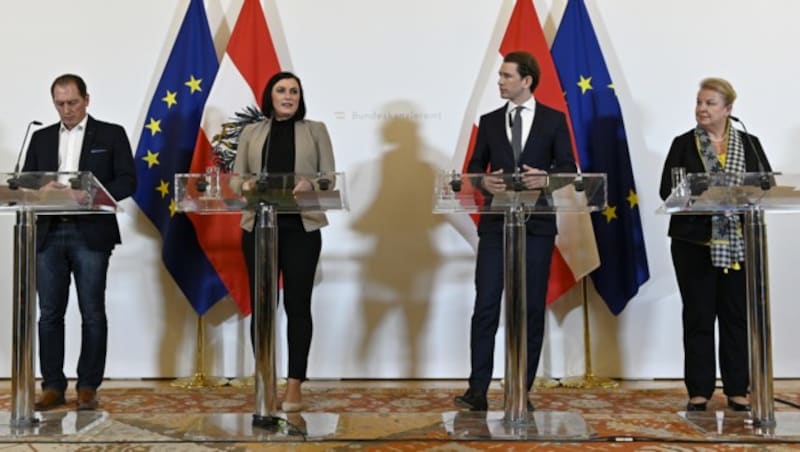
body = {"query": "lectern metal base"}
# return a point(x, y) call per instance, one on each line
point(53, 423)
point(282, 427)
point(727, 423)
point(491, 425)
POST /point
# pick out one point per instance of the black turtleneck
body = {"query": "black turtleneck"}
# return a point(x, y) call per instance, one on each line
point(279, 147)
point(279, 153)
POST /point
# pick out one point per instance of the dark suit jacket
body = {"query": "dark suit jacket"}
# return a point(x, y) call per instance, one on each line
point(684, 153)
point(106, 152)
point(548, 147)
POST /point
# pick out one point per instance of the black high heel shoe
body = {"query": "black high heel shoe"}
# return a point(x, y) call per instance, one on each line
point(696, 406)
point(738, 406)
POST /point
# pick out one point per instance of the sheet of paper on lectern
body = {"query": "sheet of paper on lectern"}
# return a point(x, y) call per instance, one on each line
point(319, 200)
point(515, 198)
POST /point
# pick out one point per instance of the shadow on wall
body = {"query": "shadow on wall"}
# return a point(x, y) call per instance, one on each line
point(177, 352)
point(604, 333)
point(398, 273)
point(172, 308)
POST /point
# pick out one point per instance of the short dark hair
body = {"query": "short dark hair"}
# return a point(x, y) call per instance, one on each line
point(266, 97)
point(66, 79)
point(526, 66)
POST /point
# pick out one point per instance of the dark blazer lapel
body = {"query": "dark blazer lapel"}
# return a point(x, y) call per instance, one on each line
point(88, 140)
point(499, 125)
point(49, 158)
point(538, 128)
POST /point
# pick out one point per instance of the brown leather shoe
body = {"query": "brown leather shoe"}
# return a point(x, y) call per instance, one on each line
point(87, 399)
point(49, 399)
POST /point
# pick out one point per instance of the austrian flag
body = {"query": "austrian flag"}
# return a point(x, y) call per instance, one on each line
point(575, 253)
point(249, 61)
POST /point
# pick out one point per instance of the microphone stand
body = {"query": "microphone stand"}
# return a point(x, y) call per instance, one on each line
point(13, 183)
point(764, 179)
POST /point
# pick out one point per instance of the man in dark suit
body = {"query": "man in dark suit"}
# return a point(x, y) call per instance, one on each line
point(77, 245)
point(531, 139)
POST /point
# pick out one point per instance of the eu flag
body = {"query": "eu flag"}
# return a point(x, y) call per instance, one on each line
point(165, 148)
point(603, 148)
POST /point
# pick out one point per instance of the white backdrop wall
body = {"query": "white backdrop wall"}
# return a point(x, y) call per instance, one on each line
point(395, 289)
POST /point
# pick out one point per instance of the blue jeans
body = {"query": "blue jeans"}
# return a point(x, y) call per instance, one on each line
point(64, 253)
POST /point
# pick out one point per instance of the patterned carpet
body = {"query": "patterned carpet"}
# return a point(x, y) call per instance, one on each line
point(144, 419)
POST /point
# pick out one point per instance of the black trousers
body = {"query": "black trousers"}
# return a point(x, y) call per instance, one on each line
point(708, 295)
point(489, 285)
point(298, 255)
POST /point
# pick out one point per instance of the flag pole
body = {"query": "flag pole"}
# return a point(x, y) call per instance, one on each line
point(199, 380)
point(589, 380)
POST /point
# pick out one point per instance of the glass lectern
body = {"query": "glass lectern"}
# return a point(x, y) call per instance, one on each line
point(29, 195)
point(749, 195)
point(519, 197)
point(266, 196)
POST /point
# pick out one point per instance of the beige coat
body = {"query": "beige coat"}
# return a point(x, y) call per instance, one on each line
point(313, 154)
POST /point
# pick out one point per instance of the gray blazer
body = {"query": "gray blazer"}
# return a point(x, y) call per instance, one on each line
point(313, 154)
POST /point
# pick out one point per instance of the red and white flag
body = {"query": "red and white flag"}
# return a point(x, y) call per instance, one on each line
point(575, 254)
point(249, 61)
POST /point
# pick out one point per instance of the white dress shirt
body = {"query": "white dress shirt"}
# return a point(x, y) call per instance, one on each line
point(528, 109)
point(70, 143)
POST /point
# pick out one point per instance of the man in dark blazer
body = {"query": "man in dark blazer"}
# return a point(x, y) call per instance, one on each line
point(543, 146)
point(77, 245)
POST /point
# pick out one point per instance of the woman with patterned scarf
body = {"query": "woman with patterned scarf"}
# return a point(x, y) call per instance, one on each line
point(708, 252)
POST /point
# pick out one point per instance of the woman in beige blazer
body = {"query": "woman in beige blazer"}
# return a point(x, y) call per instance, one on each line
point(286, 142)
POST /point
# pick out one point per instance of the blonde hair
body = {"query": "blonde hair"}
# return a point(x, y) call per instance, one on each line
point(721, 86)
